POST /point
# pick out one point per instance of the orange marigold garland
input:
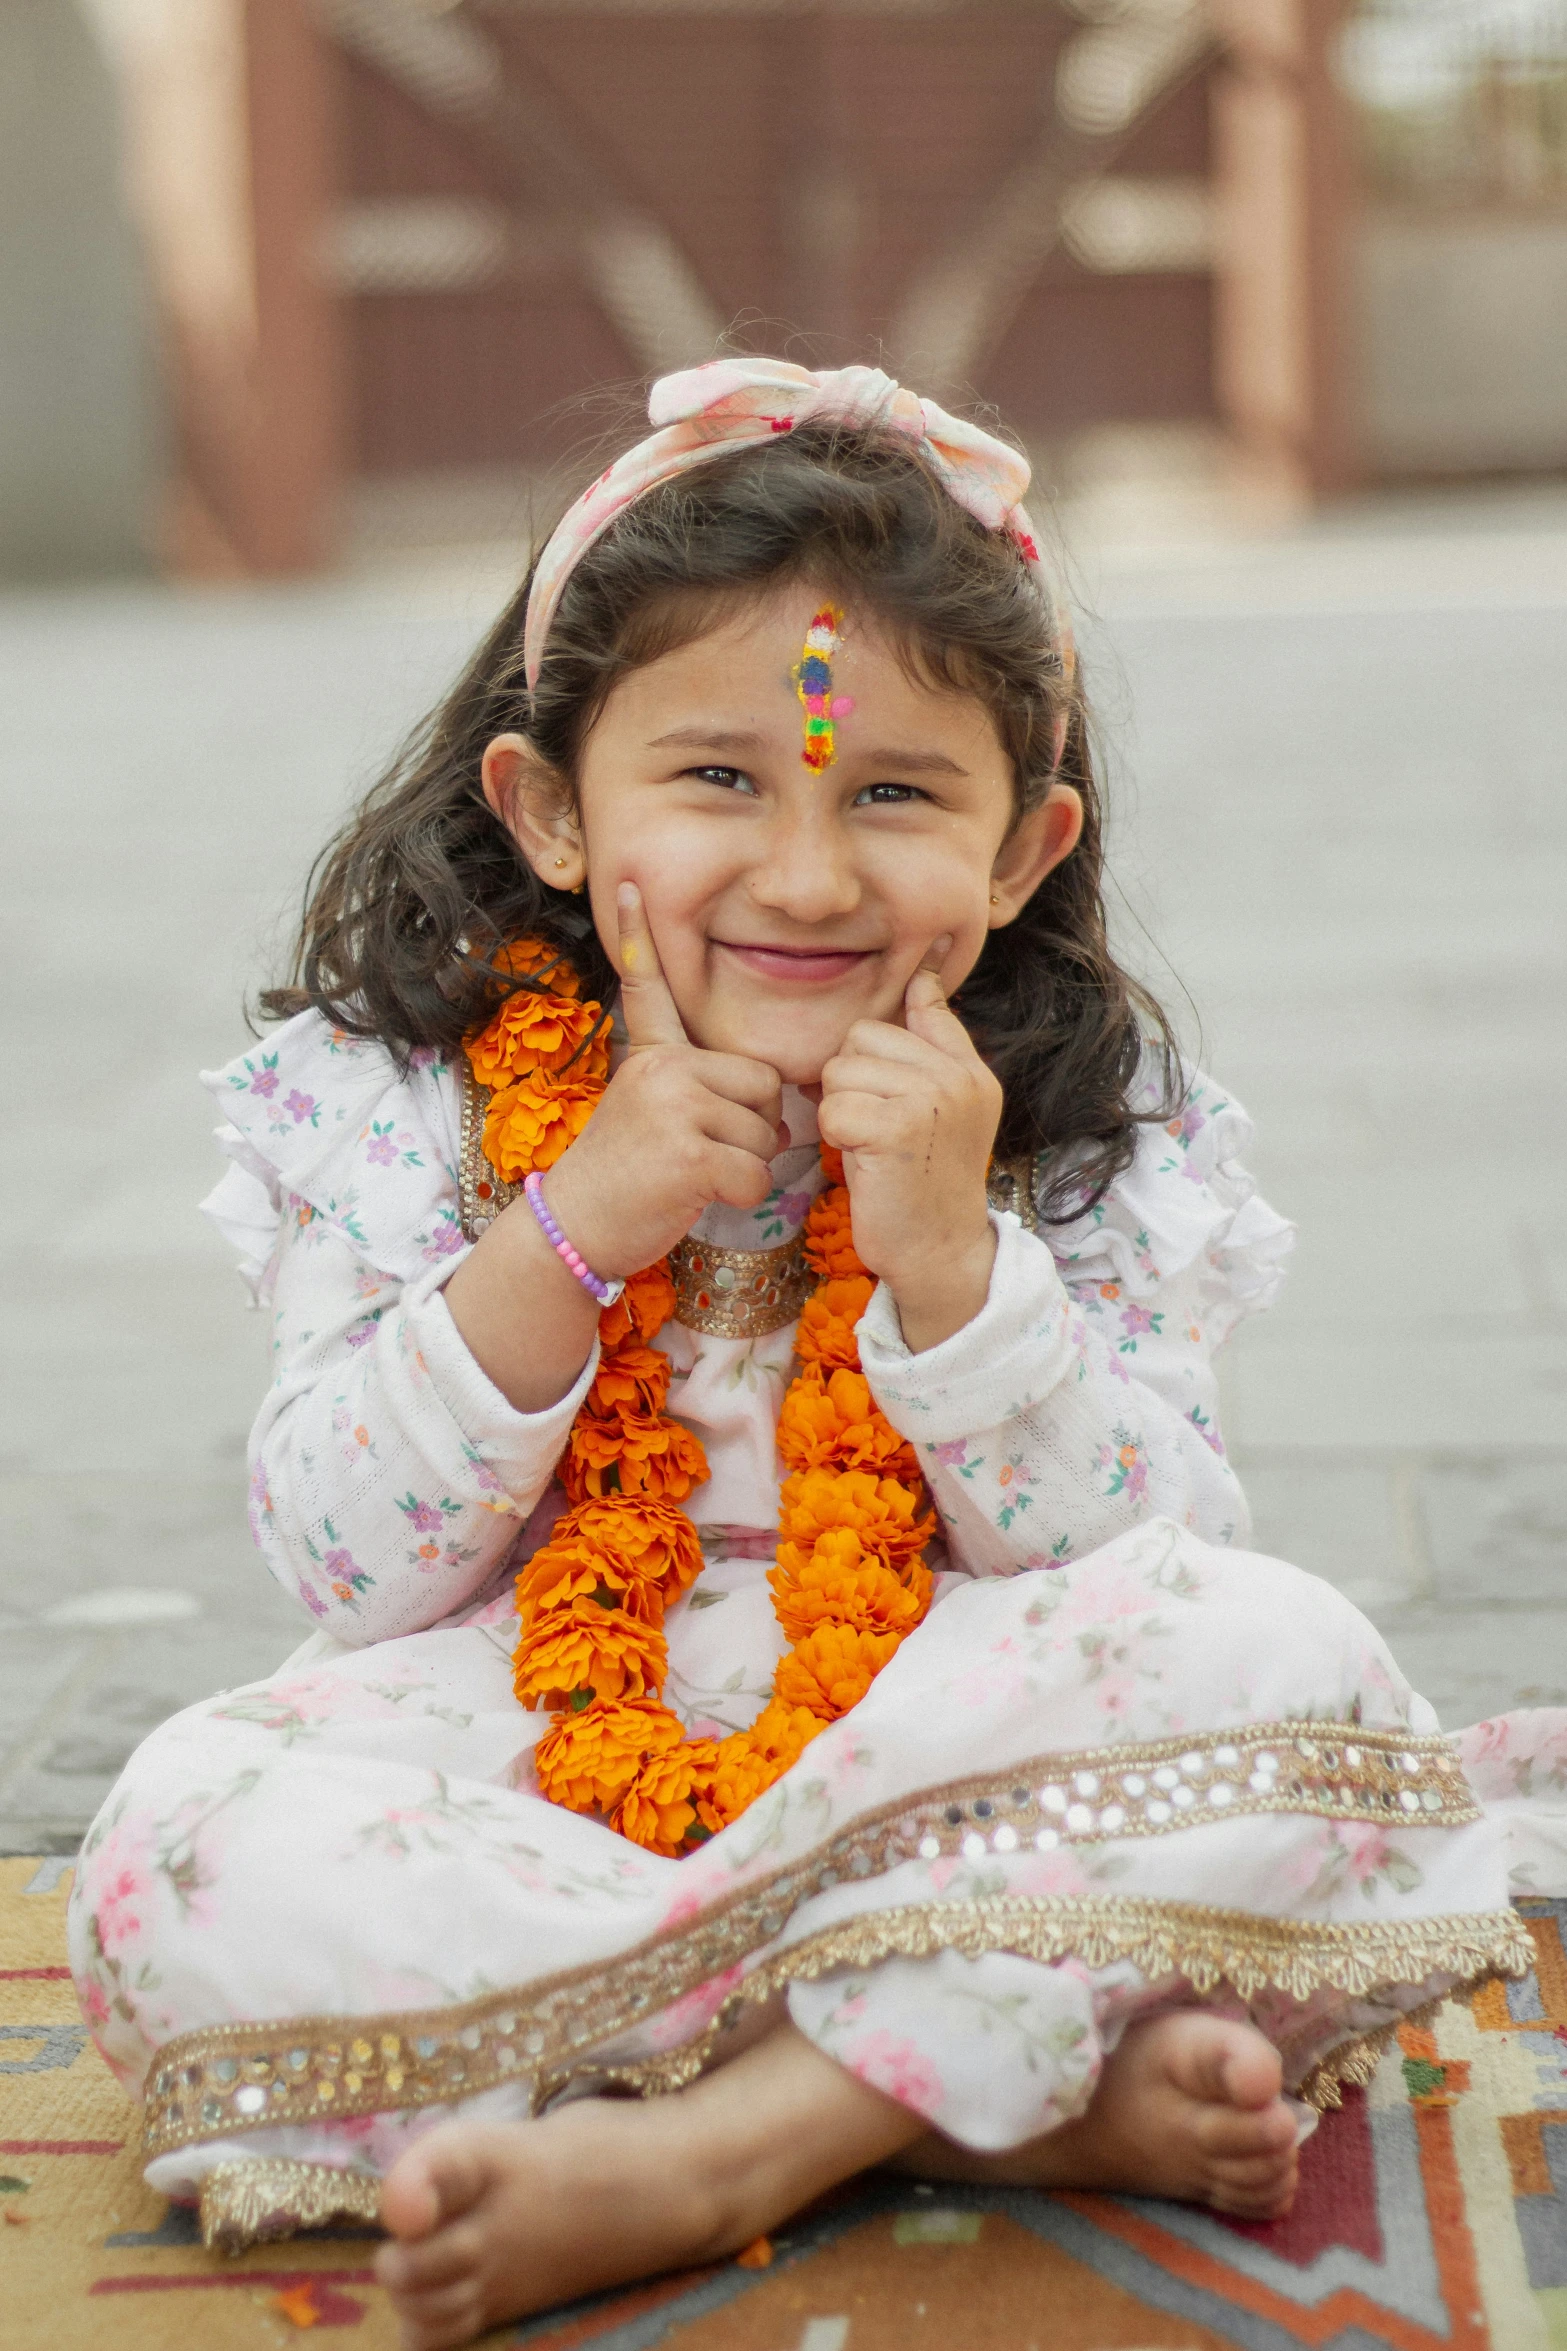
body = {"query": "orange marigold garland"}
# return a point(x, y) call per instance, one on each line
point(546, 1057)
point(849, 1582)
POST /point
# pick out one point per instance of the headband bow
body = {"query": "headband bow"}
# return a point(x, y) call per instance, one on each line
point(705, 411)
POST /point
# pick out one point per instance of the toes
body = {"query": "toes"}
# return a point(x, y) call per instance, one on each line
point(439, 2178)
point(432, 2322)
point(1261, 2173)
point(1223, 2063)
point(1254, 2203)
point(442, 2260)
point(1251, 2206)
point(1263, 2189)
point(1239, 2133)
point(1252, 2073)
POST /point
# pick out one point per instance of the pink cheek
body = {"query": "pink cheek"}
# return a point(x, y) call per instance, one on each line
point(842, 704)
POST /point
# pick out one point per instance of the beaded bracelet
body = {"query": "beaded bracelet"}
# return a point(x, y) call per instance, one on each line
point(605, 1292)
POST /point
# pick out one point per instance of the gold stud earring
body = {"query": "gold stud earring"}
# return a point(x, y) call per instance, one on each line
point(560, 861)
point(994, 899)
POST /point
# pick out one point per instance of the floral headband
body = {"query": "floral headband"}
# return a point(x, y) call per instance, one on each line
point(706, 411)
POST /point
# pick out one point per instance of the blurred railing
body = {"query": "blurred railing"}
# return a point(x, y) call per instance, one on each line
point(1461, 117)
point(1462, 103)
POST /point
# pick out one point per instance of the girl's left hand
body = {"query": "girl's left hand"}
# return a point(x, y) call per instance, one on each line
point(914, 1111)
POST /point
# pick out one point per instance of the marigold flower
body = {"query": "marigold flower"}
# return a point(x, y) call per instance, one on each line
point(848, 1583)
point(784, 1732)
point(829, 1235)
point(832, 1668)
point(567, 1569)
point(827, 1319)
point(644, 1306)
point(748, 1762)
point(885, 1514)
point(842, 1584)
point(584, 1646)
point(834, 1423)
point(630, 1379)
point(639, 1542)
point(534, 1122)
point(659, 1809)
point(739, 1775)
point(588, 1760)
point(632, 1454)
point(536, 959)
point(536, 1033)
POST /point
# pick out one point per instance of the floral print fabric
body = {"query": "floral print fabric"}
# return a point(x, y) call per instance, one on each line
point(390, 1480)
point(362, 1831)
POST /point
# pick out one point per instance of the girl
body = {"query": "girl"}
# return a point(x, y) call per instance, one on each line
point(745, 1271)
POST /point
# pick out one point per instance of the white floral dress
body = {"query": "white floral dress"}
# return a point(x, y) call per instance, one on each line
point(1125, 1760)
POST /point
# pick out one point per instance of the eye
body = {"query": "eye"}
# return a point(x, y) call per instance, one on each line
point(886, 795)
point(728, 779)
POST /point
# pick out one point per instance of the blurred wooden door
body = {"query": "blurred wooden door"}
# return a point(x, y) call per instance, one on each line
point(538, 199)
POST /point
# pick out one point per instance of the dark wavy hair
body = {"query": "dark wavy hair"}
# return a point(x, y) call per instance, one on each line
point(407, 907)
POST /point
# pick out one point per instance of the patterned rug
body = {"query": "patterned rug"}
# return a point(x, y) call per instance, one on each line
point(1432, 2217)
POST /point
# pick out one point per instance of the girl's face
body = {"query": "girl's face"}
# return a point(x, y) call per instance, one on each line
point(785, 901)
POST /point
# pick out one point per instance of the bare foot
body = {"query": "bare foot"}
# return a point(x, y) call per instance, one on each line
point(495, 2221)
point(1190, 2106)
point(492, 2221)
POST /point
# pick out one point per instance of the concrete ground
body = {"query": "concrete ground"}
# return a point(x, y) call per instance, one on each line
point(1340, 787)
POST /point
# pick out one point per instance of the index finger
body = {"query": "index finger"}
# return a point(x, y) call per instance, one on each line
point(646, 1006)
point(925, 1008)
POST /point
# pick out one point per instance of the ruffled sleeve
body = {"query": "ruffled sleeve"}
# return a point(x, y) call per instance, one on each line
point(389, 1476)
point(1185, 1211)
point(317, 1117)
point(1083, 1398)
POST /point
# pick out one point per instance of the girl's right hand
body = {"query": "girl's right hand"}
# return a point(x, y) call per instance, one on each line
point(677, 1129)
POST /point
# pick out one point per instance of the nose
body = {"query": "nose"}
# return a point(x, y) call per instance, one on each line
point(808, 871)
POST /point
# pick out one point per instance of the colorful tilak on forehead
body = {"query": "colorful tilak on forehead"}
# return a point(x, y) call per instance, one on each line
point(812, 675)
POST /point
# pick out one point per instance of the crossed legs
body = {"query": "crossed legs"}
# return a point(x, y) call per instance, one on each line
point(491, 2222)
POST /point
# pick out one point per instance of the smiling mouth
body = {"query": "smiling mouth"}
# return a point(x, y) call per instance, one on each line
point(800, 964)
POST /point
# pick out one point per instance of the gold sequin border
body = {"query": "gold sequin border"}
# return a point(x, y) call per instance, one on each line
point(260, 2199)
point(257, 2201)
point(231, 2078)
point(1205, 1945)
point(1353, 2064)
